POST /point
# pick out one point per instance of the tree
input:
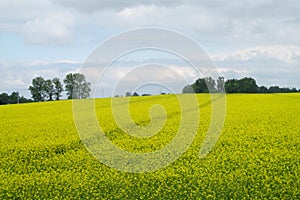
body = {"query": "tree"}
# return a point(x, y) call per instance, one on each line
point(48, 89)
point(13, 98)
point(274, 89)
point(76, 86)
point(221, 84)
point(135, 94)
point(4, 98)
point(294, 89)
point(188, 89)
point(42, 89)
point(37, 89)
point(247, 85)
point(244, 85)
point(58, 88)
point(203, 85)
point(22, 99)
point(211, 84)
point(285, 90)
point(200, 86)
point(232, 86)
point(70, 82)
point(127, 94)
point(85, 90)
point(262, 89)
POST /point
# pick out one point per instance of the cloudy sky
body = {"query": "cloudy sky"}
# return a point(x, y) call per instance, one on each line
point(49, 38)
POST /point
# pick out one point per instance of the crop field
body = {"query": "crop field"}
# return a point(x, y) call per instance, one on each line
point(257, 155)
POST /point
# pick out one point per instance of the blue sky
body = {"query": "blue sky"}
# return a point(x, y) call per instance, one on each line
point(50, 38)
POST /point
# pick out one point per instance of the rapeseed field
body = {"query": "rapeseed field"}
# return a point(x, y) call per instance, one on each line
point(257, 155)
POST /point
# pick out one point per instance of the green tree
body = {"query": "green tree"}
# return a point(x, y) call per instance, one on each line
point(58, 88)
point(294, 89)
point(274, 89)
point(76, 86)
point(188, 89)
point(37, 89)
point(285, 90)
point(22, 99)
point(200, 86)
point(247, 85)
point(127, 94)
point(4, 98)
point(211, 84)
point(48, 89)
point(232, 86)
point(262, 89)
point(70, 82)
point(221, 84)
point(13, 98)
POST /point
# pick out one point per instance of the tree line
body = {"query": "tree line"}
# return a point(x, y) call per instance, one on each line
point(75, 85)
point(243, 85)
point(135, 94)
point(41, 89)
point(13, 98)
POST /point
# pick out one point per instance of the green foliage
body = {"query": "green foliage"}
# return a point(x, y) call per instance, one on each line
point(247, 85)
point(262, 89)
point(200, 86)
point(76, 86)
point(232, 86)
point(58, 88)
point(205, 85)
point(127, 94)
point(48, 89)
point(37, 89)
point(13, 98)
point(188, 89)
point(256, 157)
point(221, 84)
point(42, 89)
point(4, 98)
point(244, 85)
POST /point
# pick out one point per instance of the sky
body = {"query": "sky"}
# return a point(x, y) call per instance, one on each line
point(51, 38)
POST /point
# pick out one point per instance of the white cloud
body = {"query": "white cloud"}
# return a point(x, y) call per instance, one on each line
point(51, 30)
point(269, 65)
point(286, 54)
point(225, 23)
point(19, 10)
point(75, 62)
point(118, 80)
point(18, 75)
point(89, 6)
point(227, 27)
point(133, 13)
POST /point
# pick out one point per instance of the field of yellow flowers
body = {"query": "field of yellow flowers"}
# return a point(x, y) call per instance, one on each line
point(256, 156)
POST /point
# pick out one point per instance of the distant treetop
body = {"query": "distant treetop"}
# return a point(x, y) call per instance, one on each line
point(243, 85)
